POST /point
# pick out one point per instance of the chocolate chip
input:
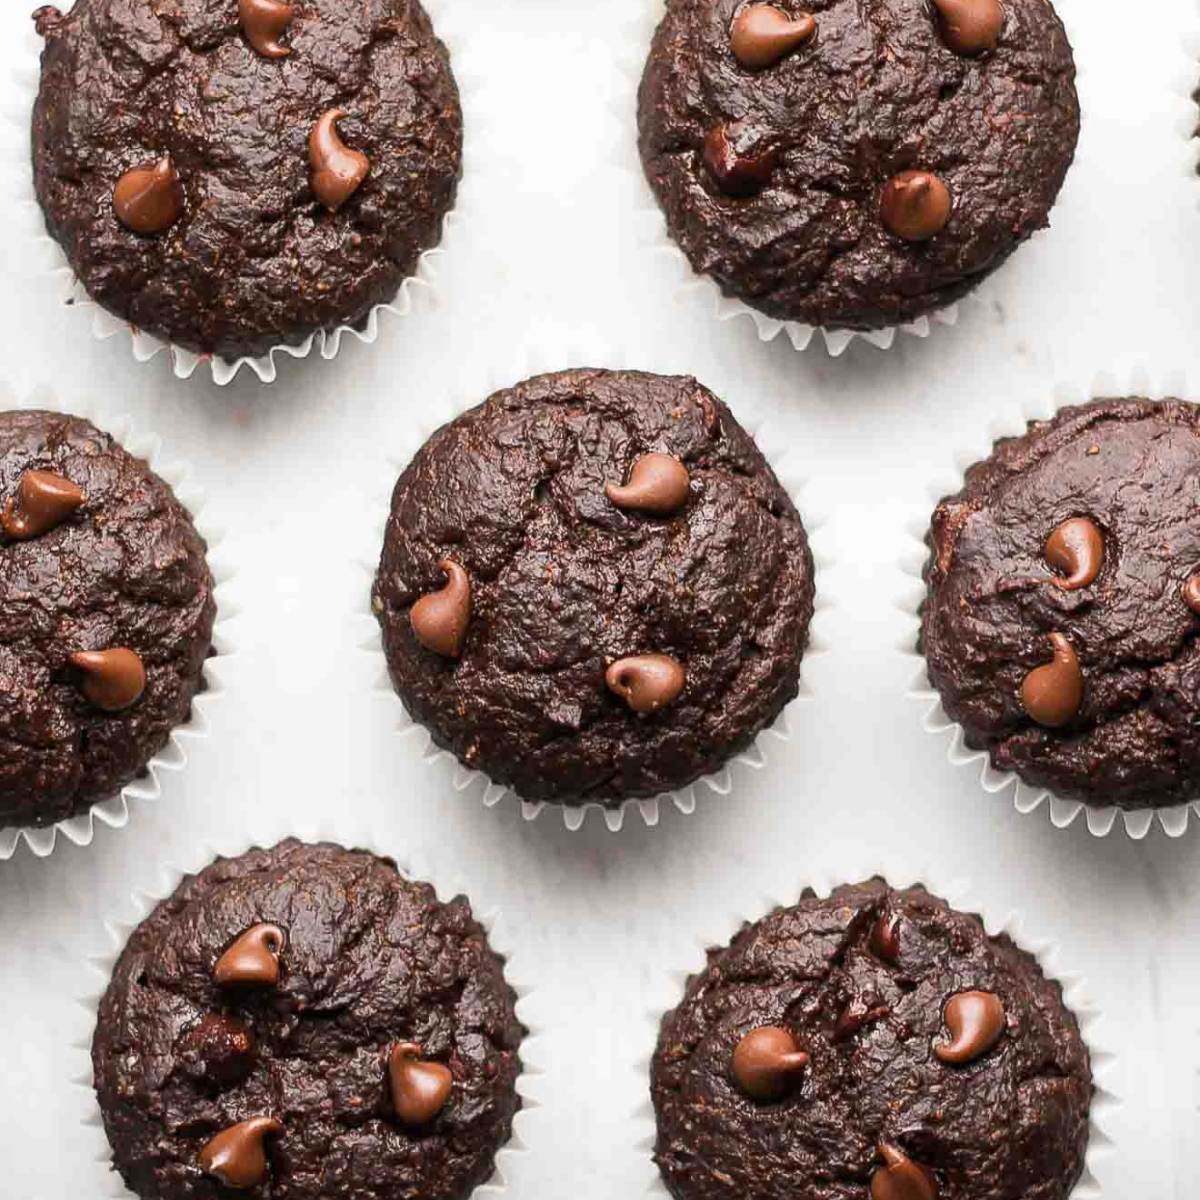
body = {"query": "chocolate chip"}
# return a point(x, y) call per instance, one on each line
point(646, 682)
point(855, 1016)
point(975, 1021)
point(1053, 693)
point(237, 1156)
point(219, 1049)
point(761, 35)
point(263, 21)
point(736, 172)
point(658, 484)
point(439, 620)
point(43, 502)
point(885, 937)
point(337, 171)
point(149, 198)
point(1076, 548)
point(1191, 593)
point(112, 679)
point(253, 958)
point(900, 1178)
point(419, 1089)
point(970, 26)
point(767, 1064)
point(915, 205)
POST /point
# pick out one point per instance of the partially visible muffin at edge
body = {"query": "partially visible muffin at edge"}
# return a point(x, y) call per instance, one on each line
point(632, 587)
point(856, 166)
point(194, 170)
point(108, 611)
point(872, 1043)
point(1060, 626)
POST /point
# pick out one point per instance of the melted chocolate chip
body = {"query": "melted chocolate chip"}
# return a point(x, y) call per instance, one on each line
point(43, 502)
point(646, 682)
point(737, 172)
point(1076, 548)
point(1053, 693)
point(440, 619)
point(111, 679)
point(915, 205)
point(149, 199)
point(658, 484)
point(264, 22)
point(253, 958)
point(337, 170)
point(900, 1178)
point(885, 937)
point(761, 35)
point(970, 26)
point(419, 1089)
point(237, 1156)
point(975, 1021)
point(767, 1064)
point(218, 1050)
point(855, 1016)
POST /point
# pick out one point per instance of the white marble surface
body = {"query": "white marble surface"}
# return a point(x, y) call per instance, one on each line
point(552, 260)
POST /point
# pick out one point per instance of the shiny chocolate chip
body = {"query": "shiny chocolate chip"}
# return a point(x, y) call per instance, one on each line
point(658, 484)
point(237, 1156)
point(975, 1021)
point(737, 171)
point(252, 960)
point(970, 27)
point(1076, 548)
point(110, 679)
point(767, 1064)
point(885, 937)
point(900, 1178)
point(219, 1049)
point(149, 199)
point(440, 619)
point(1191, 594)
point(646, 682)
point(43, 502)
point(264, 22)
point(915, 205)
point(1053, 693)
point(419, 1089)
point(337, 170)
point(761, 35)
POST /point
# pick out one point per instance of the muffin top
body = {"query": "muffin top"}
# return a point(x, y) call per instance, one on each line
point(856, 165)
point(188, 159)
point(1064, 602)
point(593, 586)
point(303, 1023)
point(875, 1042)
point(107, 614)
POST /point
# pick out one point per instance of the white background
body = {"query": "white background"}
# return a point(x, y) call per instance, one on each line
point(551, 257)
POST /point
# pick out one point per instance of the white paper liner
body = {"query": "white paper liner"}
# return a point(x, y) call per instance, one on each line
point(418, 291)
point(960, 895)
point(116, 931)
point(1027, 798)
point(462, 779)
point(115, 811)
point(652, 224)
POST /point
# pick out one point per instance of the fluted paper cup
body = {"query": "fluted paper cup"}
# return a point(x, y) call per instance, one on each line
point(115, 811)
point(462, 779)
point(1063, 811)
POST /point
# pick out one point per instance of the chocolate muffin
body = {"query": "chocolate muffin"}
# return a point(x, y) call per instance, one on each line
point(107, 614)
point(593, 587)
point(306, 1023)
point(852, 165)
point(873, 1043)
point(236, 174)
point(1063, 606)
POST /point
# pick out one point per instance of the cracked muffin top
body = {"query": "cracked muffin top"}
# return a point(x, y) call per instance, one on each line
point(854, 165)
point(106, 616)
point(304, 1022)
point(236, 174)
point(873, 1043)
point(1063, 604)
point(593, 587)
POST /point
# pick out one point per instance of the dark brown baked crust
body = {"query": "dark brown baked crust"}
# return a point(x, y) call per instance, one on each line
point(126, 569)
point(877, 92)
point(371, 958)
point(1131, 467)
point(564, 583)
point(1011, 1125)
point(254, 261)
